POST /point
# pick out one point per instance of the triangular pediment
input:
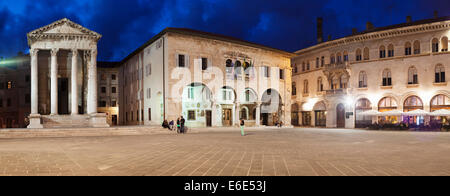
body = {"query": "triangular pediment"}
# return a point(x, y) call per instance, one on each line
point(63, 27)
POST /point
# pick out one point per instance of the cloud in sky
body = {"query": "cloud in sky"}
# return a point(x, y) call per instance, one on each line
point(284, 24)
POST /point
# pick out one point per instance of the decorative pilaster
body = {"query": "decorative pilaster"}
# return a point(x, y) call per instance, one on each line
point(214, 115)
point(237, 110)
point(92, 83)
point(258, 114)
point(54, 81)
point(74, 82)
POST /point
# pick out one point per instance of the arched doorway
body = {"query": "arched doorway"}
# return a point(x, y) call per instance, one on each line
point(387, 104)
point(440, 102)
point(271, 106)
point(248, 103)
point(361, 121)
point(226, 98)
point(340, 116)
point(196, 105)
point(320, 114)
point(294, 114)
point(413, 103)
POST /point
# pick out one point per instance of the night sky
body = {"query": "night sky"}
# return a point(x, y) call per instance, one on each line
point(284, 24)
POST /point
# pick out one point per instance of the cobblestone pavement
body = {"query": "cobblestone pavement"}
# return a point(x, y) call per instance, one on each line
point(270, 152)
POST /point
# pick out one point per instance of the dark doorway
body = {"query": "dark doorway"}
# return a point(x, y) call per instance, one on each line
point(208, 118)
point(340, 116)
point(63, 96)
point(265, 119)
point(114, 120)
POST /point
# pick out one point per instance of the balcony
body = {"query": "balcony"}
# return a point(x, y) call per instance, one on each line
point(338, 65)
point(337, 92)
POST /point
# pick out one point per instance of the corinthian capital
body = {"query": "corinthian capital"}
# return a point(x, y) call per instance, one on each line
point(34, 51)
point(54, 51)
point(94, 52)
point(74, 52)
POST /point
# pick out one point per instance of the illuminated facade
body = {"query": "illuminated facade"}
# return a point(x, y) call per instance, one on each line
point(209, 79)
point(401, 67)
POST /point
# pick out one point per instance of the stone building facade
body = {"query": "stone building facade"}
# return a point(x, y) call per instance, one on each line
point(108, 91)
point(400, 67)
point(209, 79)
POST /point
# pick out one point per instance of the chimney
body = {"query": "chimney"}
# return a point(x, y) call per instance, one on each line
point(354, 31)
point(435, 14)
point(369, 26)
point(319, 30)
point(408, 19)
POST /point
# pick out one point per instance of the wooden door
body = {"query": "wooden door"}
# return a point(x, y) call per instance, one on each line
point(227, 117)
point(340, 116)
point(208, 118)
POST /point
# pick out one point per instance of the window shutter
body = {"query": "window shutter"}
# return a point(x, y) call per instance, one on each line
point(176, 60)
point(186, 58)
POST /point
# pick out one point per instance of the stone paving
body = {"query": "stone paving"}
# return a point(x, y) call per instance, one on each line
point(223, 152)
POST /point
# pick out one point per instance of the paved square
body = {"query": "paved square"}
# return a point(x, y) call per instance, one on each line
point(269, 152)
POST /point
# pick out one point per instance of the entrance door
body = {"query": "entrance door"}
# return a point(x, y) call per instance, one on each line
point(114, 120)
point(340, 116)
point(294, 118)
point(63, 96)
point(227, 117)
point(265, 119)
point(208, 118)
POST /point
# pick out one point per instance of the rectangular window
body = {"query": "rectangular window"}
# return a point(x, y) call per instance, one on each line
point(27, 78)
point(281, 74)
point(113, 77)
point(149, 93)
point(113, 104)
point(191, 115)
point(103, 89)
point(204, 64)
point(102, 104)
point(317, 62)
point(266, 71)
point(191, 93)
point(181, 61)
point(113, 90)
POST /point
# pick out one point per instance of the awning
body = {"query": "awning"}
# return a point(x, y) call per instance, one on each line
point(391, 113)
point(370, 113)
point(417, 113)
point(443, 112)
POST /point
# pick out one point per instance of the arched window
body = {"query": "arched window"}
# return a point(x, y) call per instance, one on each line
point(295, 68)
point(444, 42)
point(366, 53)
point(305, 87)
point(391, 50)
point(362, 79)
point(435, 45)
point(307, 66)
point(358, 55)
point(343, 81)
point(345, 56)
point(238, 68)
point(332, 59)
point(339, 58)
point(387, 104)
point(334, 82)
point(382, 52)
point(361, 121)
point(440, 102)
point(229, 63)
point(322, 63)
point(417, 47)
point(319, 84)
point(407, 48)
point(294, 89)
point(440, 74)
point(387, 80)
point(244, 112)
point(412, 76)
point(412, 103)
point(303, 66)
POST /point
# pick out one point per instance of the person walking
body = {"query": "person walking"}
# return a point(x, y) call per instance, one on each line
point(242, 127)
point(178, 125)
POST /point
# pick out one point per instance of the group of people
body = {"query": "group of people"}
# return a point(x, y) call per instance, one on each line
point(180, 128)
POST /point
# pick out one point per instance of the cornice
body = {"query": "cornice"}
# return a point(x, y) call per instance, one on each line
point(385, 34)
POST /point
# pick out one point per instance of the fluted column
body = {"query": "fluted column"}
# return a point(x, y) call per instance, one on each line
point(92, 83)
point(34, 81)
point(74, 82)
point(258, 114)
point(54, 81)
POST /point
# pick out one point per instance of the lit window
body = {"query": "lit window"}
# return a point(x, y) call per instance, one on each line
point(435, 45)
point(9, 84)
point(444, 44)
point(408, 49)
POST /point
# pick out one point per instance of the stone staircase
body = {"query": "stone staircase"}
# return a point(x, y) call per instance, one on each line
point(65, 121)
